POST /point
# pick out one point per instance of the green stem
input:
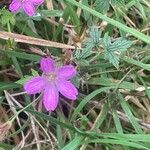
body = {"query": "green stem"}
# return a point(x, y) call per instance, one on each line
point(8, 27)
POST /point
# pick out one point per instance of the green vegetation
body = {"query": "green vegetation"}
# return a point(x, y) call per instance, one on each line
point(108, 42)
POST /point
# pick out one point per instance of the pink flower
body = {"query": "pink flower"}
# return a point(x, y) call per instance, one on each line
point(27, 5)
point(53, 81)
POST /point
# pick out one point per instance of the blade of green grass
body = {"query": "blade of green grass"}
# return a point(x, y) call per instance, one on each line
point(59, 137)
point(119, 142)
point(111, 82)
point(74, 144)
point(17, 66)
point(117, 122)
point(87, 99)
point(8, 86)
point(146, 89)
point(74, 18)
point(101, 117)
point(118, 136)
point(22, 55)
point(137, 63)
point(129, 114)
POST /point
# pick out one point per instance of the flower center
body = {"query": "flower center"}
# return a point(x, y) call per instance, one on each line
point(50, 76)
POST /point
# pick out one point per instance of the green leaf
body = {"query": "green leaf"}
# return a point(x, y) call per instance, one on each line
point(84, 53)
point(102, 5)
point(106, 41)
point(112, 57)
point(87, 16)
point(94, 38)
point(22, 81)
point(83, 62)
point(81, 56)
point(34, 72)
point(120, 3)
point(6, 17)
point(120, 45)
point(93, 41)
point(26, 78)
point(8, 86)
point(114, 49)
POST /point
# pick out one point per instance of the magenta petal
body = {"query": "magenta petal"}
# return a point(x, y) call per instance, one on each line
point(15, 6)
point(67, 89)
point(47, 65)
point(35, 85)
point(67, 72)
point(29, 8)
point(51, 97)
point(37, 2)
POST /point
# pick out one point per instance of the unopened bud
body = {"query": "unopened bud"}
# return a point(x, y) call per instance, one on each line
point(61, 20)
point(103, 25)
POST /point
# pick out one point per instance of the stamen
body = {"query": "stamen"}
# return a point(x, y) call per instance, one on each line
point(50, 76)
